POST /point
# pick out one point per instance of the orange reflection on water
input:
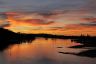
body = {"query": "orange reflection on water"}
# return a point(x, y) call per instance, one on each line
point(39, 48)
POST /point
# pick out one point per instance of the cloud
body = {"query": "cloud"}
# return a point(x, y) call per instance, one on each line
point(88, 24)
point(3, 20)
point(55, 19)
point(38, 22)
point(43, 5)
point(58, 22)
point(48, 6)
point(4, 24)
point(90, 21)
point(61, 21)
point(29, 18)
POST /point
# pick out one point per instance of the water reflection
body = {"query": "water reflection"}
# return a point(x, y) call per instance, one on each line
point(45, 51)
point(88, 53)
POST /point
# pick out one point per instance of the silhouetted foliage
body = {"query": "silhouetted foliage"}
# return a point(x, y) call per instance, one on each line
point(9, 38)
point(86, 40)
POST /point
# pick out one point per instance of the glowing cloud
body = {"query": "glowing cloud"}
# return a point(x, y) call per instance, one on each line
point(57, 23)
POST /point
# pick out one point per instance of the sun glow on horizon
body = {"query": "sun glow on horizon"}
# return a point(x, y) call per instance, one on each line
point(49, 24)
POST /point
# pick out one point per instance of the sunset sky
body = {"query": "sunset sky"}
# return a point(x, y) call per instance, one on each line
point(67, 17)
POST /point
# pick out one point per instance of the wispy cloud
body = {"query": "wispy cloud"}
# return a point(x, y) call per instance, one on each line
point(90, 21)
point(43, 5)
point(3, 20)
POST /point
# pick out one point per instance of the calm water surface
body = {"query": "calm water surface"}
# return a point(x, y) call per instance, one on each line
point(44, 51)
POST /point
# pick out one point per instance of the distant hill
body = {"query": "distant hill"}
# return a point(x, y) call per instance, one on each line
point(6, 34)
point(5, 31)
point(8, 37)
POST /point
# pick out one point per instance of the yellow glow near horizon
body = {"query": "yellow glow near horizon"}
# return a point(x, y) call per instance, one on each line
point(70, 29)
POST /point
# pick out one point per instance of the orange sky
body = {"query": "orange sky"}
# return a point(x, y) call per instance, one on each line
point(57, 23)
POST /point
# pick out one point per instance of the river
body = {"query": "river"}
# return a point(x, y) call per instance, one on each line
point(44, 51)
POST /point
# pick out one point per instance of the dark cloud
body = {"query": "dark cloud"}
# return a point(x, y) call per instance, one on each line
point(88, 24)
point(90, 6)
point(43, 5)
point(5, 24)
point(89, 21)
point(55, 28)
point(3, 21)
point(38, 22)
point(3, 16)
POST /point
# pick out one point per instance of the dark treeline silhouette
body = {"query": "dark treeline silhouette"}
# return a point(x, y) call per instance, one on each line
point(9, 34)
point(86, 41)
point(8, 37)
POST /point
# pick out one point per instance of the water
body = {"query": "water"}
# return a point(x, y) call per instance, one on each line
point(44, 51)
